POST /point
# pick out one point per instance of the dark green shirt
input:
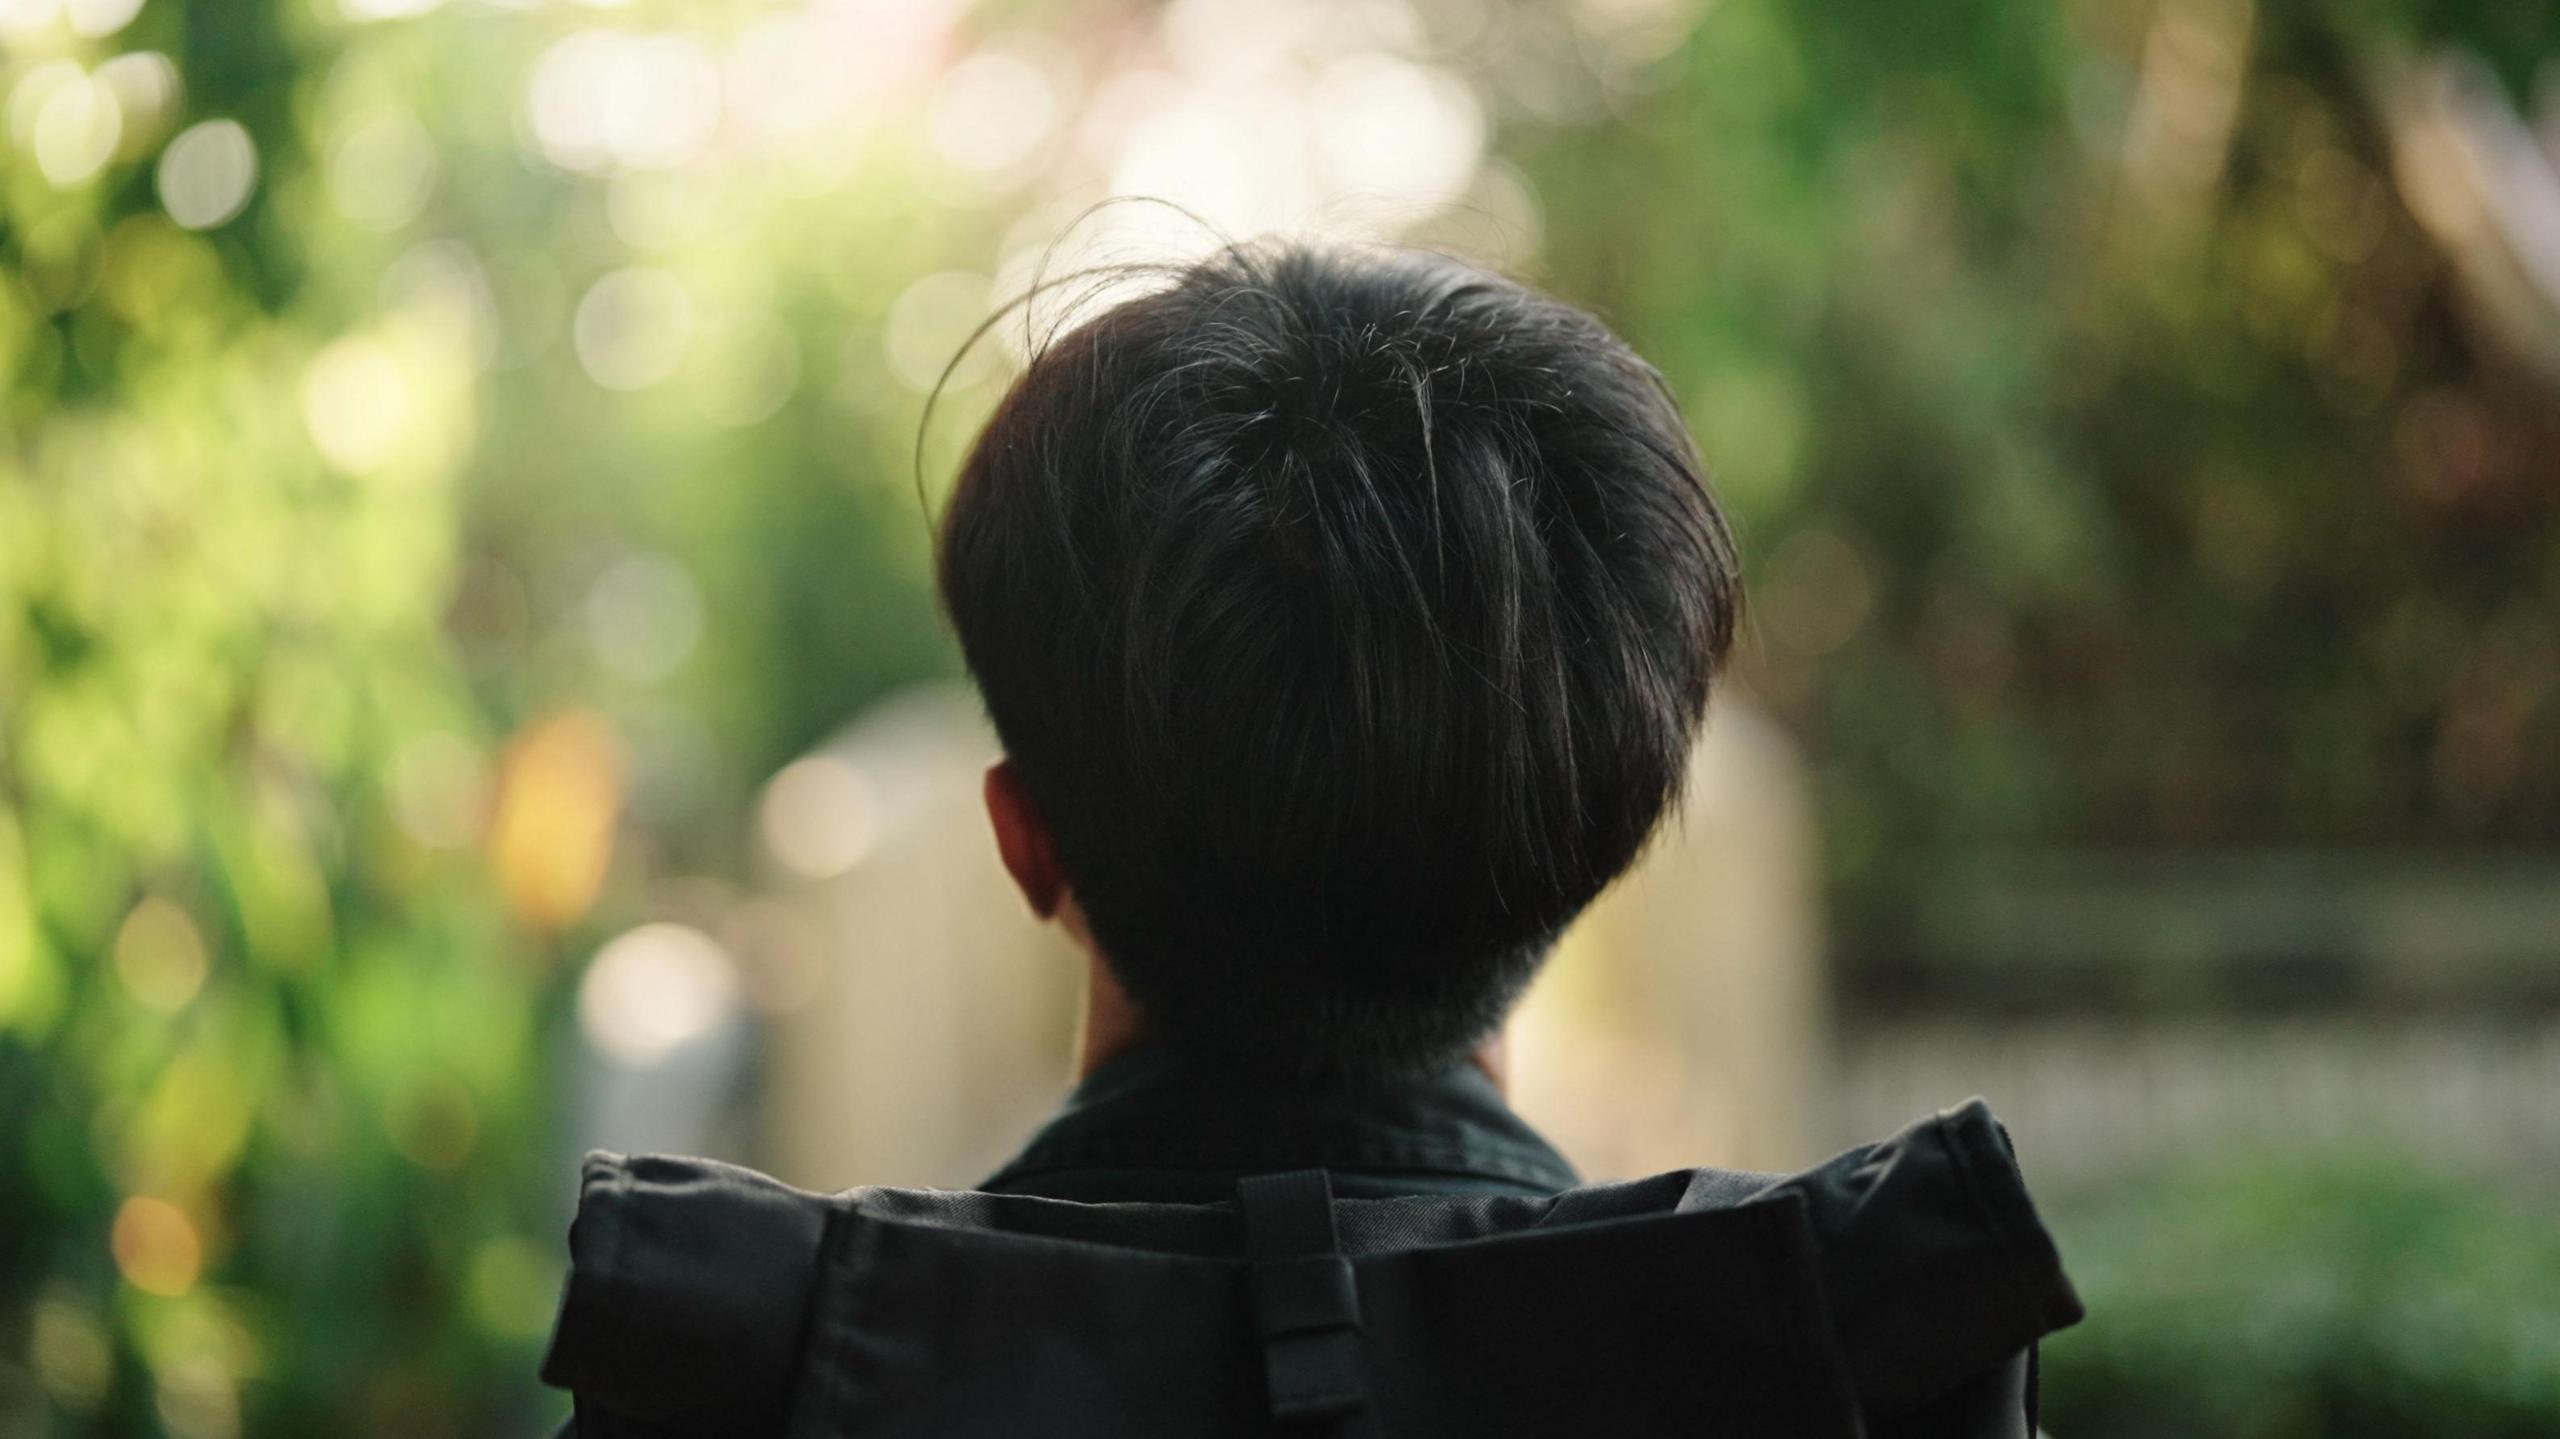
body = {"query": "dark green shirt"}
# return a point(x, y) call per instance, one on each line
point(1153, 1124)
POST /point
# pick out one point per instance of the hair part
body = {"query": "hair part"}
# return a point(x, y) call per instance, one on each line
point(1349, 616)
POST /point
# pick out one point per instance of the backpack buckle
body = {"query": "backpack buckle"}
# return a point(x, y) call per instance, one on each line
point(1305, 1298)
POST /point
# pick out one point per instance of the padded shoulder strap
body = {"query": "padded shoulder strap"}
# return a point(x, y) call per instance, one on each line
point(1934, 1260)
point(689, 1284)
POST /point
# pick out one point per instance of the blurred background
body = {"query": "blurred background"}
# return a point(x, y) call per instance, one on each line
point(469, 687)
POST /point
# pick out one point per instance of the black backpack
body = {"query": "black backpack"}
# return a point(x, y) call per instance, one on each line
point(1898, 1290)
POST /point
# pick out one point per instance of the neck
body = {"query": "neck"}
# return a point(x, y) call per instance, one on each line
point(1113, 1026)
point(1110, 1027)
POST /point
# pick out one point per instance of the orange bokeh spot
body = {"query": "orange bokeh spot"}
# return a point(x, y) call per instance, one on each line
point(156, 1246)
point(553, 832)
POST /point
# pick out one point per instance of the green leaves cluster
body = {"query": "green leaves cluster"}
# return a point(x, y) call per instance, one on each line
point(269, 1091)
point(2338, 1295)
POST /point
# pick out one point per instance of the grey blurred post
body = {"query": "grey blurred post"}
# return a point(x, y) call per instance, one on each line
point(930, 1020)
point(1683, 1022)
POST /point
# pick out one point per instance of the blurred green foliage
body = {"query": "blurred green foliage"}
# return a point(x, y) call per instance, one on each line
point(299, 513)
point(270, 1107)
point(415, 548)
point(2117, 465)
point(2333, 1296)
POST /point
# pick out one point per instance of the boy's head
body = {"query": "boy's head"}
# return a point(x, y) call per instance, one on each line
point(1346, 616)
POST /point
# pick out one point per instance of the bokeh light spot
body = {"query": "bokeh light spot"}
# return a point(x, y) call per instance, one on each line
point(27, 17)
point(601, 99)
point(783, 80)
point(381, 172)
point(756, 371)
point(207, 173)
point(198, 1399)
point(1817, 592)
point(653, 990)
point(514, 1286)
point(76, 130)
point(72, 1357)
point(34, 87)
point(991, 112)
point(644, 616)
point(442, 293)
point(146, 87)
point(159, 956)
point(362, 11)
point(434, 1124)
point(633, 327)
point(99, 18)
point(156, 1246)
point(553, 833)
point(1390, 128)
point(357, 405)
point(929, 322)
point(819, 817)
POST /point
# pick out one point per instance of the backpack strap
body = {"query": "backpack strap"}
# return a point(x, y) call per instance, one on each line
point(1306, 1303)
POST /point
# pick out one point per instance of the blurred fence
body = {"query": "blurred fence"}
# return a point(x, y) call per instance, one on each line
point(2097, 1100)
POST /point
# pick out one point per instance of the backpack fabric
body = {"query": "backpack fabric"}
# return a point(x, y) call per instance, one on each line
point(1897, 1290)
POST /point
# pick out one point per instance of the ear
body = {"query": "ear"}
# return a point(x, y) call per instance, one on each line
point(1023, 840)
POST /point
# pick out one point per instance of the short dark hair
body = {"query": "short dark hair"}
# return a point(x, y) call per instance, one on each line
point(1348, 615)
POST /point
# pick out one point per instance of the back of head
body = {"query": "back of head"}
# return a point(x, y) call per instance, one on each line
point(1347, 616)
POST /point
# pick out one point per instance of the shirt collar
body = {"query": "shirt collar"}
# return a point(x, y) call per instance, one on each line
point(1158, 1121)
